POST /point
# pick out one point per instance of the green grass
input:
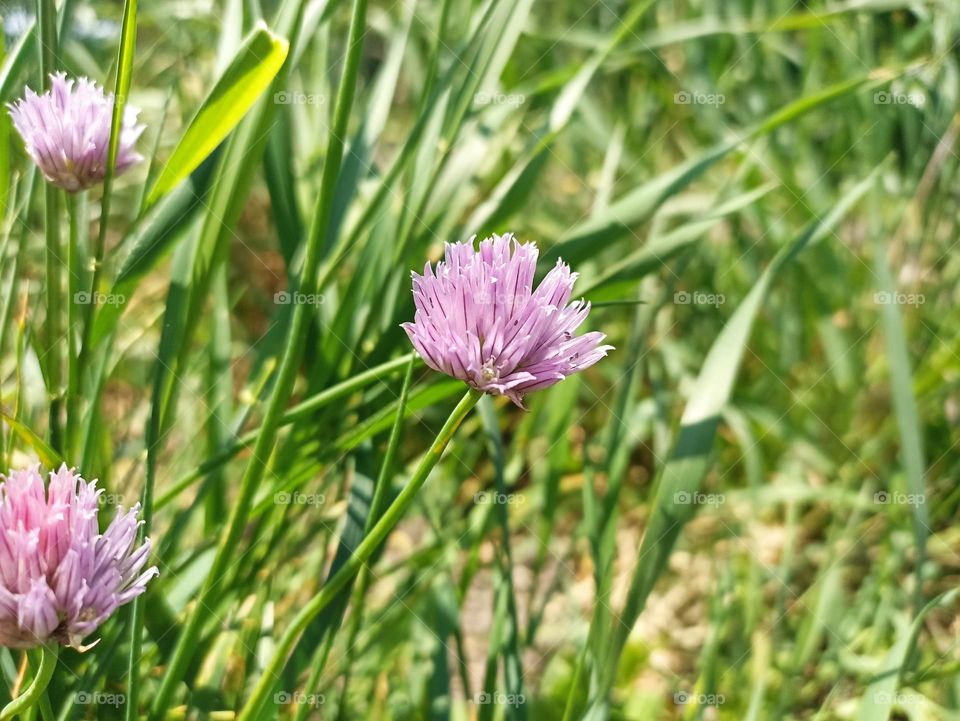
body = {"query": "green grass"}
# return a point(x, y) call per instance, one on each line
point(746, 512)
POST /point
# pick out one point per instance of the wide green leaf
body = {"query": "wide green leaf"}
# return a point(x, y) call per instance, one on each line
point(246, 78)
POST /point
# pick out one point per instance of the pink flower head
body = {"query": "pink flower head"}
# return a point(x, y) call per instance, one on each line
point(60, 578)
point(479, 319)
point(67, 132)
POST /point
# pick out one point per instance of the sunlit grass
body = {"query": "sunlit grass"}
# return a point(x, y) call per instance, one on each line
point(746, 511)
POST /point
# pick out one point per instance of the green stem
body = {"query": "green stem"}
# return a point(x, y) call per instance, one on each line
point(363, 578)
point(128, 38)
point(393, 446)
point(125, 51)
point(73, 299)
point(293, 351)
point(47, 37)
point(357, 560)
point(34, 692)
point(54, 357)
point(576, 684)
point(301, 410)
point(133, 660)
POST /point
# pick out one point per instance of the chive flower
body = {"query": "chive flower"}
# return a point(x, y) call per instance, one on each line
point(60, 578)
point(478, 318)
point(66, 131)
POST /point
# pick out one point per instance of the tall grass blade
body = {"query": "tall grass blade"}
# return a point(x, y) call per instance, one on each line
point(683, 474)
point(249, 74)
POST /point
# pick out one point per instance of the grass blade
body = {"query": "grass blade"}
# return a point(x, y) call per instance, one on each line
point(286, 374)
point(639, 204)
point(246, 78)
point(688, 463)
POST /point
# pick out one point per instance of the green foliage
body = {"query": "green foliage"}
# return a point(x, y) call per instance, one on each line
point(746, 511)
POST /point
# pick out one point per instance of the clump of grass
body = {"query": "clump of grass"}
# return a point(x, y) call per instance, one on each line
point(744, 512)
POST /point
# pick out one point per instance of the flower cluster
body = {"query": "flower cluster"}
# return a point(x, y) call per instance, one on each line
point(67, 132)
point(60, 578)
point(478, 318)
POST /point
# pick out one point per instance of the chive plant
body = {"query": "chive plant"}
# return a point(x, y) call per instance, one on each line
point(498, 360)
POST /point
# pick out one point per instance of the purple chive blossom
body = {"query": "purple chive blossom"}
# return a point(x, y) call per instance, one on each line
point(67, 132)
point(60, 578)
point(479, 319)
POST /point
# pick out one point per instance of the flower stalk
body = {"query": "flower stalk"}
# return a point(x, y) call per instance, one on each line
point(73, 302)
point(358, 559)
point(29, 698)
point(47, 45)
